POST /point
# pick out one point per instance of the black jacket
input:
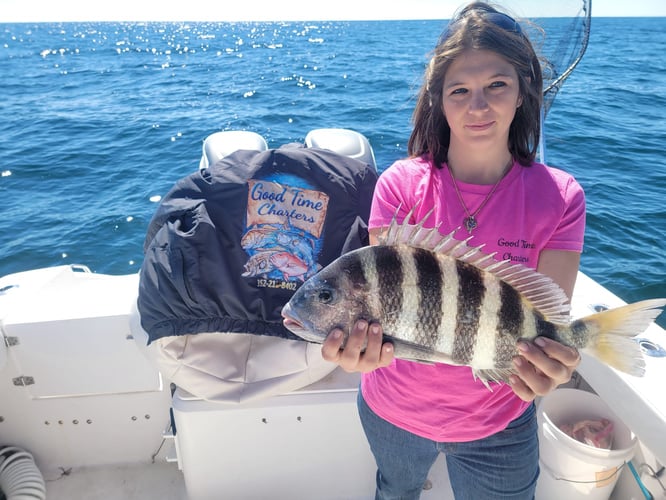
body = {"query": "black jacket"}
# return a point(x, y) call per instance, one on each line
point(230, 244)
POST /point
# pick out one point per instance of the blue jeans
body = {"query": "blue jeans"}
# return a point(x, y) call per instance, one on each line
point(502, 466)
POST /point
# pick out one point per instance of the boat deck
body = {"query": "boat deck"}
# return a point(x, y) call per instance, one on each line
point(127, 482)
point(164, 481)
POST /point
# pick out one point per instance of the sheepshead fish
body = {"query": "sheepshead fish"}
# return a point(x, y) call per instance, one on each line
point(440, 300)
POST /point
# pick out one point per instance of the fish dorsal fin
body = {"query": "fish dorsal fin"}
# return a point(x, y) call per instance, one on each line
point(538, 289)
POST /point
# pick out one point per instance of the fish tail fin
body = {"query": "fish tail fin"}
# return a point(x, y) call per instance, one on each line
point(611, 334)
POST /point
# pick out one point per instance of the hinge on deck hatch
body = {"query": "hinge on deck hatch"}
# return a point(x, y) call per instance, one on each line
point(11, 341)
point(23, 380)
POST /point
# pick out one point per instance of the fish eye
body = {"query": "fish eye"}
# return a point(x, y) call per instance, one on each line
point(325, 296)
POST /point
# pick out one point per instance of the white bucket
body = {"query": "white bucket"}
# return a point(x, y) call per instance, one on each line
point(571, 469)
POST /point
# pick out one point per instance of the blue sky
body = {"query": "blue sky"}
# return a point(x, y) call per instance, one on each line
point(262, 10)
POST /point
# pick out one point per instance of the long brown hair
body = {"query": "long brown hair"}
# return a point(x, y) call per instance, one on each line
point(482, 27)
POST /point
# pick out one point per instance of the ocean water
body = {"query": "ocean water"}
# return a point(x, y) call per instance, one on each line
point(98, 120)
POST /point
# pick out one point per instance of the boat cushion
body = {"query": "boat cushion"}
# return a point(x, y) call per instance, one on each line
point(230, 244)
point(227, 248)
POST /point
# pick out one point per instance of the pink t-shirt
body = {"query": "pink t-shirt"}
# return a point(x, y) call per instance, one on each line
point(533, 208)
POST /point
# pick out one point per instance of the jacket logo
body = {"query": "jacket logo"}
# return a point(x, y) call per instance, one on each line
point(283, 232)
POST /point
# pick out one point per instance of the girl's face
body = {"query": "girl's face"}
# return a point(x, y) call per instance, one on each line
point(480, 98)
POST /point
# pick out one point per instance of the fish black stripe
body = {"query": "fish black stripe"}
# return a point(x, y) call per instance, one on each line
point(471, 291)
point(510, 316)
point(429, 281)
point(509, 322)
point(579, 334)
point(389, 281)
point(545, 328)
point(354, 269)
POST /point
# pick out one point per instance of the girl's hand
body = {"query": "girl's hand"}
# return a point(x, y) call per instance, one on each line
point(541, 367)
point(363, 351)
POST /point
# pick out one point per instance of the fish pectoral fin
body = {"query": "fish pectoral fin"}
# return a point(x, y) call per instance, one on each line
point(421, 361)
point(415, 352)
point(496, 375)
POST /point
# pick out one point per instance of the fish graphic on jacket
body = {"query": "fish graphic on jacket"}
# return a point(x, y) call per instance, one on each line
point(440, 300)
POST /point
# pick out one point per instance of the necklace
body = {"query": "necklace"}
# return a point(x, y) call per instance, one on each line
point(470, 221)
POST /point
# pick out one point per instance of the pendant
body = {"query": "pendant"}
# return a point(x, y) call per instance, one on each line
point(470, 223)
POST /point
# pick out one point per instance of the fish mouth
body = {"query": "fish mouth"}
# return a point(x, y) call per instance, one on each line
point(296, 327)
point(292, 324)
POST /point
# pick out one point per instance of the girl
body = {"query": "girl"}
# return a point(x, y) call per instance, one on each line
point(471, 158)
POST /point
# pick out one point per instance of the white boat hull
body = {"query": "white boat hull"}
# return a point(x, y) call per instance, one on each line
point(78, 393)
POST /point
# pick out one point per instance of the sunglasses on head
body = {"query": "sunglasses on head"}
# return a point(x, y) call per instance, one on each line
point(499, 19)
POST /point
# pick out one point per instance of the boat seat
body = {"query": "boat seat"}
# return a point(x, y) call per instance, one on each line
point(224, 359)
point(342, 141)
point(220, 144)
